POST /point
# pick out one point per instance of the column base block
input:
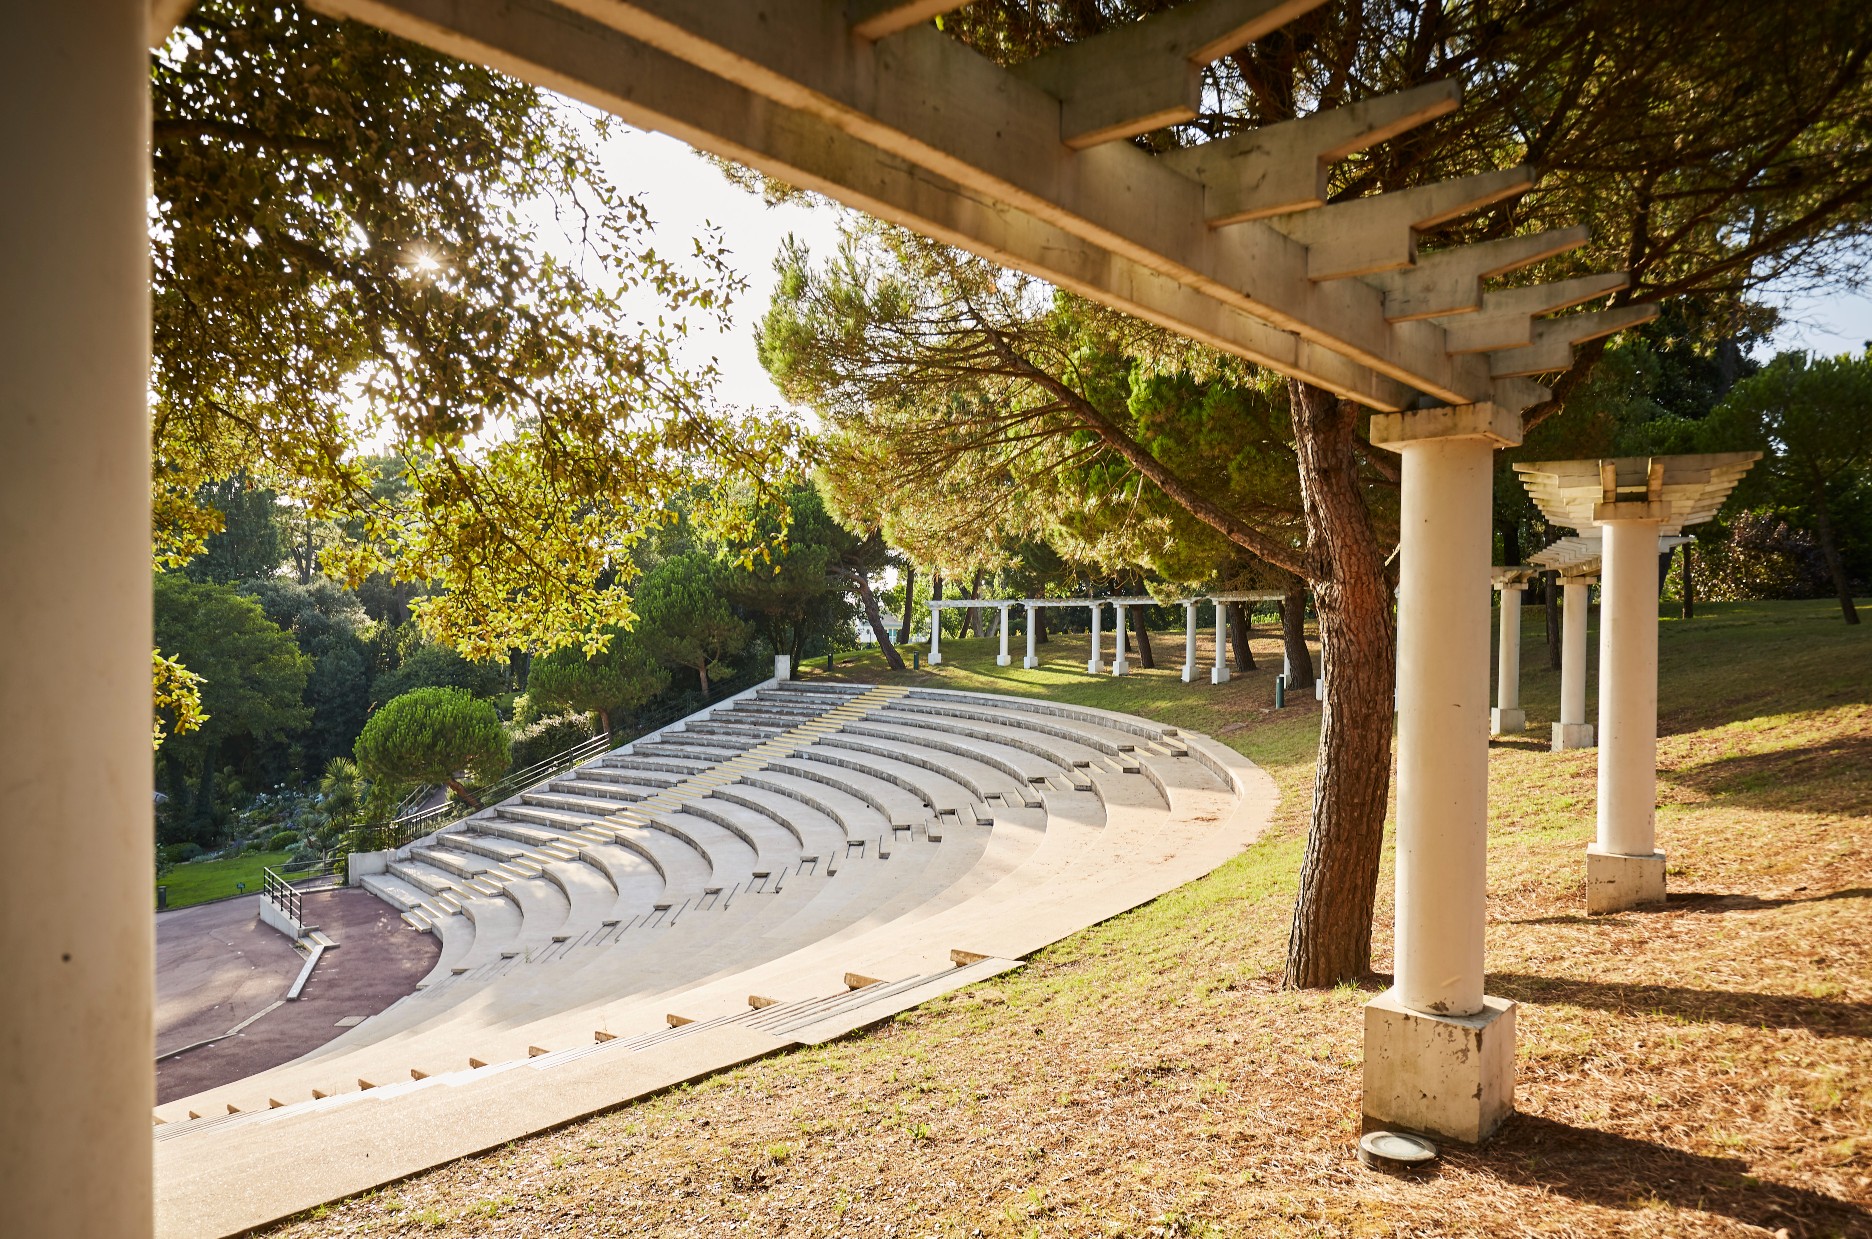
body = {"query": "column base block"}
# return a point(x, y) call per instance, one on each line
point(1615, 883)
point(1002, 660)
point(1507, 722)
point(935, 659)
point(1030, 662)
point(1572, 736)
point(1190, 673)
point(1121, 667)
point(1451, 1077)
point(1218, 675)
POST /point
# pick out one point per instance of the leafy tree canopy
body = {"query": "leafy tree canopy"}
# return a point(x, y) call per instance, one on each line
point(356, 240)
point(687, 621)
point(622, 676)
point(433, 735)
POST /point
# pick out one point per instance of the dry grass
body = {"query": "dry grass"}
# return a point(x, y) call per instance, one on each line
point(1701, 1069)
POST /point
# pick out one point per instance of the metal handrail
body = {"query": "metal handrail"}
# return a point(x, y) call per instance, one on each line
point(283, 895)
point(401, 831)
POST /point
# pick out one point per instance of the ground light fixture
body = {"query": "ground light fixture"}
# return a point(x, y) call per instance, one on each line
point(1392, 1151)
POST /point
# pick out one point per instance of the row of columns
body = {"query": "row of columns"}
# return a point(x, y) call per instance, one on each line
point(1095, 664)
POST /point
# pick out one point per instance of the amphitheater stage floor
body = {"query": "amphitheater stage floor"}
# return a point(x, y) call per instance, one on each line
point(217, 965)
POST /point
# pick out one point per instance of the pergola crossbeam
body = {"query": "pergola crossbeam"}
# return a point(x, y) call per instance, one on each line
point(1365, 236)
point(1554, 338)
point(877, 19)
point(1450, 281)
point(1282, 168)
point(1507, 316)
point(1147, 74)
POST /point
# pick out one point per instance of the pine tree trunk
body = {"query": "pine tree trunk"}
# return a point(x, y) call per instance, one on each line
point(1238, 634)
point(875, 618)
point(456, 787)
point(1689, 584)
point(1293, 635)
point(904, 628)
point(1040, 626)
point(1147, 657)
point(1823, 525)
point(604, 721)
point(1331, 937)
point(702, 672)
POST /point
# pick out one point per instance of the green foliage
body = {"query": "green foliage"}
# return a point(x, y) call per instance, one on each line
point(621, 676)
point(544, 737)
point(432, 735)
point(282, 840)
point(1761, 558)
point(795, 598)
point(686, 619)
point(251, 543)
point(329, 626)
point(345, 254)
point(180, 853)
point(438, 666)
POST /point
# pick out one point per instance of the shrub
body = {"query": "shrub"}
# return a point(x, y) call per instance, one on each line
point(283, 840)
point(431, 735)
point(1764, 557)
point(181, 853)
point(544, 737)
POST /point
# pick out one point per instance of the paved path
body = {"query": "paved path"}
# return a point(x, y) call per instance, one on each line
point(217, 965)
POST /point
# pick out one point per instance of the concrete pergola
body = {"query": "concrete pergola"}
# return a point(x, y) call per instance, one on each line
point(1219, 672)
point(1577, 561)
point(1229, 242)
point(1628, 503)
point(938, 605)
point(1508, 718)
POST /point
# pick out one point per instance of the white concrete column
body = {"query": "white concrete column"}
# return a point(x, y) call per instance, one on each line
point(935, 610)
point(1002, 659)
point(1094, 663)
point(1189, 641)
point(1508, 717)
point(77, 1077)
point(1428, 1066)
point(1624, 868)
point(1219, 674)
point(1573, 731)
point(1033, 657)
point(1120, 664)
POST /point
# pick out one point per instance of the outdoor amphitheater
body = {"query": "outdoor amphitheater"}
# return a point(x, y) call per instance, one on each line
point(792, 864)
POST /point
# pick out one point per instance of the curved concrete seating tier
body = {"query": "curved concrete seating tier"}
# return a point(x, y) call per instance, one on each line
point(782, 867)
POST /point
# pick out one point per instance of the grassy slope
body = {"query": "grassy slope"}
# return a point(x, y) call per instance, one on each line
point(1701, 1069)
point(198, 881)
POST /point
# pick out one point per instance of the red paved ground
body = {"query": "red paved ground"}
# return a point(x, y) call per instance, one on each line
point(214, 970)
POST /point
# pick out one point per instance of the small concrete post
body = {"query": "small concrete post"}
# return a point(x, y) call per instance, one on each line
point(1219, 674)
point(782, 668)
point(1096, 662)
point(1508, 717)
point(935, 610)
point(1002, 659)
point(1573, 731)
point(1624, 869)
point(1033, 658)
point(1120, 664)
point(1439, 1053)
point(1189, 641)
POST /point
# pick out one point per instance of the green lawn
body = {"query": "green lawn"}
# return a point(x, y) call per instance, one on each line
point(199, 881)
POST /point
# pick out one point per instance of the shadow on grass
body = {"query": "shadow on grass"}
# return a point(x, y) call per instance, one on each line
point(1704, 903)
point(1781, 774)
point(1702, 1006)
point(1596, 1167)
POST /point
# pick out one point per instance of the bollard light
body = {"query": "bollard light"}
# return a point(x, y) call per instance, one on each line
point(1280, 692)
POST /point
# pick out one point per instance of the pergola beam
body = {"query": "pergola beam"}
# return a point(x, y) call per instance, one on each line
point(1147, 74)
point(1282, 168)
point(927, 99)
point(1365, 236)
point(1554, 338)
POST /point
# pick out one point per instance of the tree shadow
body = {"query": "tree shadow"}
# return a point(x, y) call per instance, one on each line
point(1778, 775)
point(1528, 743)
point(1596, 1167)
point(1704, 1006)
point(1704, 903)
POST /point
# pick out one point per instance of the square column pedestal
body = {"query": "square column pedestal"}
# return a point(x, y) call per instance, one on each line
point(1439, 1053)
point(1440, 1075)
point(1615, 882)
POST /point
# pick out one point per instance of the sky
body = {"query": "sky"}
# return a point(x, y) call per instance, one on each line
point(684, 193)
